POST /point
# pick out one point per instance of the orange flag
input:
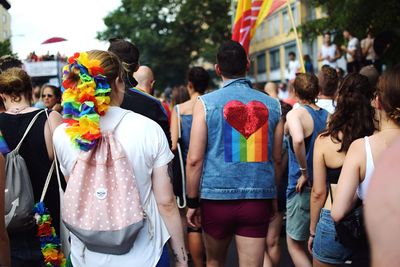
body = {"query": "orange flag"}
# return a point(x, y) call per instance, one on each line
point(249, 15)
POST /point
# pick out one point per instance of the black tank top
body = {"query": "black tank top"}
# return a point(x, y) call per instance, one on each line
point(333, 174)
point(34, 152)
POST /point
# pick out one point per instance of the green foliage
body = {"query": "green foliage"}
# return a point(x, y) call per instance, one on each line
point(5, 48)
point(171, 34)
point(357, 16)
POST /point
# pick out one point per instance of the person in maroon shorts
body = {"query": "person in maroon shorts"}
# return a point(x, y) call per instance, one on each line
point(235, 146)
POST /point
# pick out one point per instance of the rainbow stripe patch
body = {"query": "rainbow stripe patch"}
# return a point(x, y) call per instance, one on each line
point(240, 149)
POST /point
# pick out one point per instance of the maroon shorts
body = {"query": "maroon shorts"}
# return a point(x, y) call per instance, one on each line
point(246, 217)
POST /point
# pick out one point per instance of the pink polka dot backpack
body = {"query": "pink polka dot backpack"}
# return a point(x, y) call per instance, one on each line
point(102, 204)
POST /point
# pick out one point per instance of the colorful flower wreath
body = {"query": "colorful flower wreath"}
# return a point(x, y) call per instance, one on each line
point(49, 242)
point(85, 99)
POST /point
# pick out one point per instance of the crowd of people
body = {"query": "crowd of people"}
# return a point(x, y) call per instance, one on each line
point(209, 167)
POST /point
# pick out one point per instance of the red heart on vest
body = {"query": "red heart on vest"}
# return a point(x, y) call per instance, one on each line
point(246, 119)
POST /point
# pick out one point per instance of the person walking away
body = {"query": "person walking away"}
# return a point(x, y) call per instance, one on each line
point(364, 153)
point(328, 82)
point(233, 162)
point(303, 125)
point(353, 119)
point(146, 148)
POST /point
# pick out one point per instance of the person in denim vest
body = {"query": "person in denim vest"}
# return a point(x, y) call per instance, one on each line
point(303, 124)
point(235, 148)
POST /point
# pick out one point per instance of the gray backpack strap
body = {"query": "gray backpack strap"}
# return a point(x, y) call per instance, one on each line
point(51, 170)
point(27, 130)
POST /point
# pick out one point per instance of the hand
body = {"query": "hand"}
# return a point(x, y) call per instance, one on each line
point(181, 264)
point(301, 182)
point(193, 217)
point(310, 244)
point(343, 47)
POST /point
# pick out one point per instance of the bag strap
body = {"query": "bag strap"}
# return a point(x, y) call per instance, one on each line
point(181, 165)
point(330, 192)
point(27, 130)
point(120, 120)
point(54, 164)
point(178, 113)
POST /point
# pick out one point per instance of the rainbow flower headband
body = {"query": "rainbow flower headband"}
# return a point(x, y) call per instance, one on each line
point(84, 100)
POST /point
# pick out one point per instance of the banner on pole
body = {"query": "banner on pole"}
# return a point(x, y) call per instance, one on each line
point(249, 15)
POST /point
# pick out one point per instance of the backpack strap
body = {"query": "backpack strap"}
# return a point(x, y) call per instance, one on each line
point(120, 119)
point(51, 170)
point(181, 165)
point(27, 130)
point(178, 113)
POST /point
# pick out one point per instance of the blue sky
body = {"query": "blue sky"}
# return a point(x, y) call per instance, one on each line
point(33, 21)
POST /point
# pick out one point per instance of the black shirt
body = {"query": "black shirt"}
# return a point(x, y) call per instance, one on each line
point(148, 106)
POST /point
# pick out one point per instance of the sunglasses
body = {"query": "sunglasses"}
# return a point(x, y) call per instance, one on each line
point(48, 95)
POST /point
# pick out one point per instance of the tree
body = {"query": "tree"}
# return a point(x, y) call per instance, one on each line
point(357, 16)
point(171, 34)
point(5, 48)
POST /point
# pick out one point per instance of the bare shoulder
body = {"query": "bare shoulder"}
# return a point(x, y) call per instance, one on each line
point(187, 107)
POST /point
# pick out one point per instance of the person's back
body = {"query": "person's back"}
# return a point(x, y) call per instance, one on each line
point(36, 151)
point(146, 149)
point(135, 99)
point(354, 97)
point(235, 145)
point(303, 124)
point(328, 84)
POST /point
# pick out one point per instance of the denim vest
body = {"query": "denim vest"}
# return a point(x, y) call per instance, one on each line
point(238, 159)
point(319, 118)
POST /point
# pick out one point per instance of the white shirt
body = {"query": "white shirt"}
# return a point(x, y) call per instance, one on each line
point(146, 148)
point(327, 104)
point(353, 45)
point(328, 51)
point(294, 67)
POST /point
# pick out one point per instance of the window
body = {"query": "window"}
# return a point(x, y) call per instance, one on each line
point(4, 19)
point(261, 64)
point(260, 31)
point(273, 25)
point(5, 35)
point(274, 59)
point(287, 24)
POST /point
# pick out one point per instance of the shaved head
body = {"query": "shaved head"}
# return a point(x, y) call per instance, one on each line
point(271, 89)
point(144, 77)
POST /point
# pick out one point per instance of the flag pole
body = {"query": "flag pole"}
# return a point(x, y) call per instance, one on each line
point(296, 36)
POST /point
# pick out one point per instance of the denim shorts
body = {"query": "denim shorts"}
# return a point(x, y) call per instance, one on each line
point(326, 248)
point(298, 215)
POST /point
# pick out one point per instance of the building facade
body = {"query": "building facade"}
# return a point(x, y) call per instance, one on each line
point(5, 21)
point(274, 39)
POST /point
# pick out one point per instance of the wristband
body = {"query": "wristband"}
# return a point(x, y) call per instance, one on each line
point(303, 169)
point(312, 235)
point(192, 202)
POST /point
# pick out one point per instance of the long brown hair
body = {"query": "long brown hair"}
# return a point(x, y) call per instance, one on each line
point(389, 93)
point(354, 114)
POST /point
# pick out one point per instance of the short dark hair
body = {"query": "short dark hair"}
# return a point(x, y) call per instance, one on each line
point(306, 86)
point(232, 59)
point(129, 54)
point(328, 80)
point(9, 61)
point(200, 78)
point(291, 53)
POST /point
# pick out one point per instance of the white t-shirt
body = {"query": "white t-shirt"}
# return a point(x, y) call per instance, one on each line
point(353, 45)
point(327, 104)
point(328, 51)
point(294, 67)
point(147, 148)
